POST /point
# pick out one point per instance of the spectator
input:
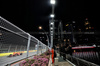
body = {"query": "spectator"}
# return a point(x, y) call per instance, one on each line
point(52, 56)
point(61, 50)
point(54, 51)
point(64, 52)
point(57, 48)
point(70, 49)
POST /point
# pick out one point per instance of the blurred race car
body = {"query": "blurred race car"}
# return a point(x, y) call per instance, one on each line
point(10, 55)
point(15, 54)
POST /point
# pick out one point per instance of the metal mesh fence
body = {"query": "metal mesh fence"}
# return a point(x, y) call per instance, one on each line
point(14, 39)
point(8, 25)
point(11, 42)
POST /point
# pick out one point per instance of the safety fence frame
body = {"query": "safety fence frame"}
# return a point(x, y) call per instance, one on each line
point(7, 28)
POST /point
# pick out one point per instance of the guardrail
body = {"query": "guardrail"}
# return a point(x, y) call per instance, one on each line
point(80, 62)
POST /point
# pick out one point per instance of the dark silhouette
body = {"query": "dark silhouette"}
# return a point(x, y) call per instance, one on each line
point(64, 52)
point(61, 50)
point(69, 48)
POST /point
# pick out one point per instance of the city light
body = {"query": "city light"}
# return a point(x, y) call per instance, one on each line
point(51, 28)
point(67, 24)
point(51, 34)
point(52, 2)
point(94, 45)
point(86, 28)
point(0, 33)
point(64, 39)
point(40, 27)
point(52, 15)
point(68, 40)
point(89, 27)
point(51, 23)
point(73, 21)
point(86, 23)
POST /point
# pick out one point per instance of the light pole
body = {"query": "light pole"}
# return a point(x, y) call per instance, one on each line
point(51, 32)
point(73, 34)
point(40, 27)
point(52, 22)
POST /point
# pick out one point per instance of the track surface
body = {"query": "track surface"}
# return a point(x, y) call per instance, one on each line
point(8, 60)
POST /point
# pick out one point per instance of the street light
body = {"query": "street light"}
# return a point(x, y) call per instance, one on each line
point(40, 27)
point(51, 28)
point(52, 2)
point(51, 23)
point(52, 15)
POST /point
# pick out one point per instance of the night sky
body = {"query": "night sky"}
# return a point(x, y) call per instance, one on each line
point(29, 14)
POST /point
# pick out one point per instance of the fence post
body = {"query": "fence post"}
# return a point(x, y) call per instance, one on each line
point(45, 48)
point(24, 48)
point(41, 48)
point(37, 47)
point(0, 46)
point(20, 47)
point(77, 61)
point(88, 64)
point(16, 48)
point(9, 48)
point(28, 44)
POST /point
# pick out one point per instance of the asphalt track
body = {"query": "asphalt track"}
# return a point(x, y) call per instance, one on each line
point(8, 60)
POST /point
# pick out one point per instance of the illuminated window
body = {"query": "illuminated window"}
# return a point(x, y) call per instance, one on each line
point(0, 34)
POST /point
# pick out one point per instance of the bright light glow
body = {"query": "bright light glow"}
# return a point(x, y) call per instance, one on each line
point(86, 23)
point(87, 28)
point(94, 45)
point(52, 15)
point(51, 28)
point(40, 27)
point(51, 23)
point(52, 1)
point(67, 24)
point(0, 33)
point(73, 21)
point(74, 50)
point(51, 34)
point(64, 39)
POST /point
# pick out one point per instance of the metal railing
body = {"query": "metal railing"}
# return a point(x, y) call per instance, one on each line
point(14, 39)
point(79, 62)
